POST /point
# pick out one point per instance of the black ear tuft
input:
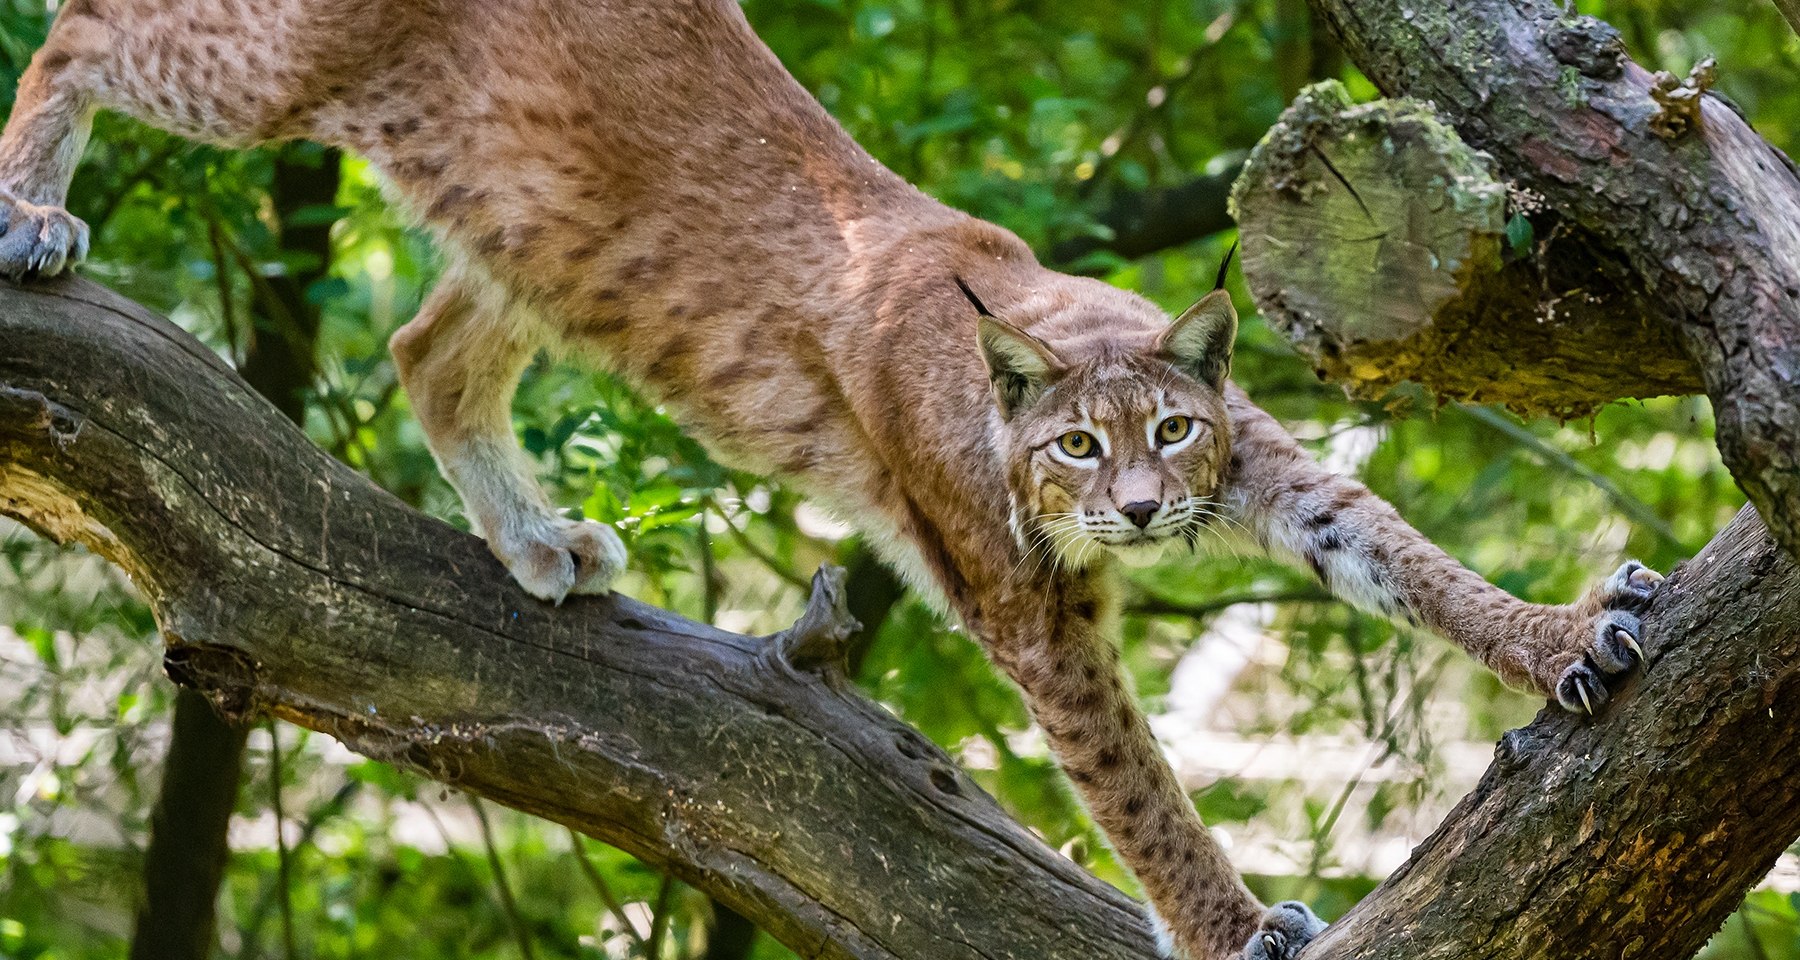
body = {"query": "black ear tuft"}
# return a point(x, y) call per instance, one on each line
point(1020, 366)
point(1199, 341)
point(1224, 268)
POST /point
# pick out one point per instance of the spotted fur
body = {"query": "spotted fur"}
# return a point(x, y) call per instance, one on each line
point(642, 183)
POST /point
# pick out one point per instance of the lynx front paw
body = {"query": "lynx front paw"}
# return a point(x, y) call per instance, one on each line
point(1615, 638)
point(558, 557)
point(36, 240)
point(1286, 930)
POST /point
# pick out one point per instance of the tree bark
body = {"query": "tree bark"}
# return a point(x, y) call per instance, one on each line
point(1386, 250)
point(186, 859)
point(286, 584)
point(1699, 214)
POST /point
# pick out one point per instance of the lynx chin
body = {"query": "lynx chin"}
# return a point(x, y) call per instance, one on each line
point(641, 183)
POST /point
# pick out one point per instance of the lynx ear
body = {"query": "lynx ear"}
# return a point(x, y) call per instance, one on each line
point(1020, 365)
point(1199, 341)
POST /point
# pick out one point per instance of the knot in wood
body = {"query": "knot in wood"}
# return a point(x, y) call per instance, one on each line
point(820, 639)
point(1591, 46)
point(226, 676)
point(1678, 101)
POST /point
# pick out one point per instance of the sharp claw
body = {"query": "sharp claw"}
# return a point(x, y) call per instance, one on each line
point(1270, 945)
point(1625, 637)
point(1581, 688)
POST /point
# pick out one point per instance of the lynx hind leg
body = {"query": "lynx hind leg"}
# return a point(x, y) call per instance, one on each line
point(1615, 637)
point(459, 361)
point(1285, 930)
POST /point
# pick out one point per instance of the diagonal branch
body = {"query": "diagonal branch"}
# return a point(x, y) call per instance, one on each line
point(285, 584)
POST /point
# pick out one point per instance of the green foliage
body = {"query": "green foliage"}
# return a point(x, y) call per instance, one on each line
point(1032, 113)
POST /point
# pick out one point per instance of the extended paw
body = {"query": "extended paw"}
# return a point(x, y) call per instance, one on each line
point(556, 557)
point(1286, 929)
point(1615, 643)
point(37, 240)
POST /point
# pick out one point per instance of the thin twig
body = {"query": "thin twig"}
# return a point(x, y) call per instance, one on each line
point(1153, 606)
point(743, 540)
point(659, 919)
point(1379, 750)
point(709, 574)
point(507, 903)
point(143, 174)
point(250, 939)
point(282, 877)
point(240, 346)
point(1636, 509)
point(613, 904)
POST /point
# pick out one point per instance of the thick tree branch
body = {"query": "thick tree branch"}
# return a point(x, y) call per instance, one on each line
point(1142, 222)
point(1378, 242)
point(1699, 214)
point(286, 584)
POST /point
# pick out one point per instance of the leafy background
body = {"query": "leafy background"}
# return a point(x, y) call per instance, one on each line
point(1319, 742)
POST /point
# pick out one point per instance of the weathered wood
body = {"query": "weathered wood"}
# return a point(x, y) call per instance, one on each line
point(1634, 837)
point(1376, 240)
point(1702, 217)
point(286, 584)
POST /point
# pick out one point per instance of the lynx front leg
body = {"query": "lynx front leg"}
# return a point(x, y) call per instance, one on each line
point(43, 141)
point(1360, 548)
point(1047, 638)
point(459, 362)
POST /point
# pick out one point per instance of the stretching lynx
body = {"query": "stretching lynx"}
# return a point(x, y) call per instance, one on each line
point(642, 182)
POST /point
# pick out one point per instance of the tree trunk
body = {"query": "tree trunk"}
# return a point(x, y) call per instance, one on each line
point(1687, 216)
point(286, 584)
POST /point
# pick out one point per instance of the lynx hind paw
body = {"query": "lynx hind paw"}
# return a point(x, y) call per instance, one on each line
point(1286, 929)
point(38, 241)
point(1616, 645)
point(562, 557)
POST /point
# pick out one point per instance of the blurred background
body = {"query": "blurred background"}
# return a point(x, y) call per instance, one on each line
point(1319, 743)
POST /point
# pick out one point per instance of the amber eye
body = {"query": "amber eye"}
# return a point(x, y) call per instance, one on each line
point(1078, 444)
point(1173, 430)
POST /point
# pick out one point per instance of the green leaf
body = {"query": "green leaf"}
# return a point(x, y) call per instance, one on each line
point(1519, 235)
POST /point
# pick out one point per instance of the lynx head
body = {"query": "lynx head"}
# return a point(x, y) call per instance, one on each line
point(1114, 424)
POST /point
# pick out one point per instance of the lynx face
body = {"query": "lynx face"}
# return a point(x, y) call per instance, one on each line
point(1122, 451)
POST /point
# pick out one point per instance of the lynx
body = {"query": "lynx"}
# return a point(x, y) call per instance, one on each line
point(642, 183)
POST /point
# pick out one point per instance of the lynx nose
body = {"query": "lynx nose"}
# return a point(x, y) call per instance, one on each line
point(1140, 511)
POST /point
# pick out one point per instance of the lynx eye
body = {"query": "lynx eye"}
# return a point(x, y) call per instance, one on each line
point(1174, 430)
point(1079, 444)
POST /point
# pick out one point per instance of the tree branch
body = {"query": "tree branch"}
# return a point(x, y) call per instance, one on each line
point(1689, 216)
point(1142, 222)
point(286, 584)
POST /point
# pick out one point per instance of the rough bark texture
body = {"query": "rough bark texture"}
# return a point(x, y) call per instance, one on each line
point(287, 584)
point(187, 855)
point(1633, 837)
point(1376, 240)
point(1700, 213)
